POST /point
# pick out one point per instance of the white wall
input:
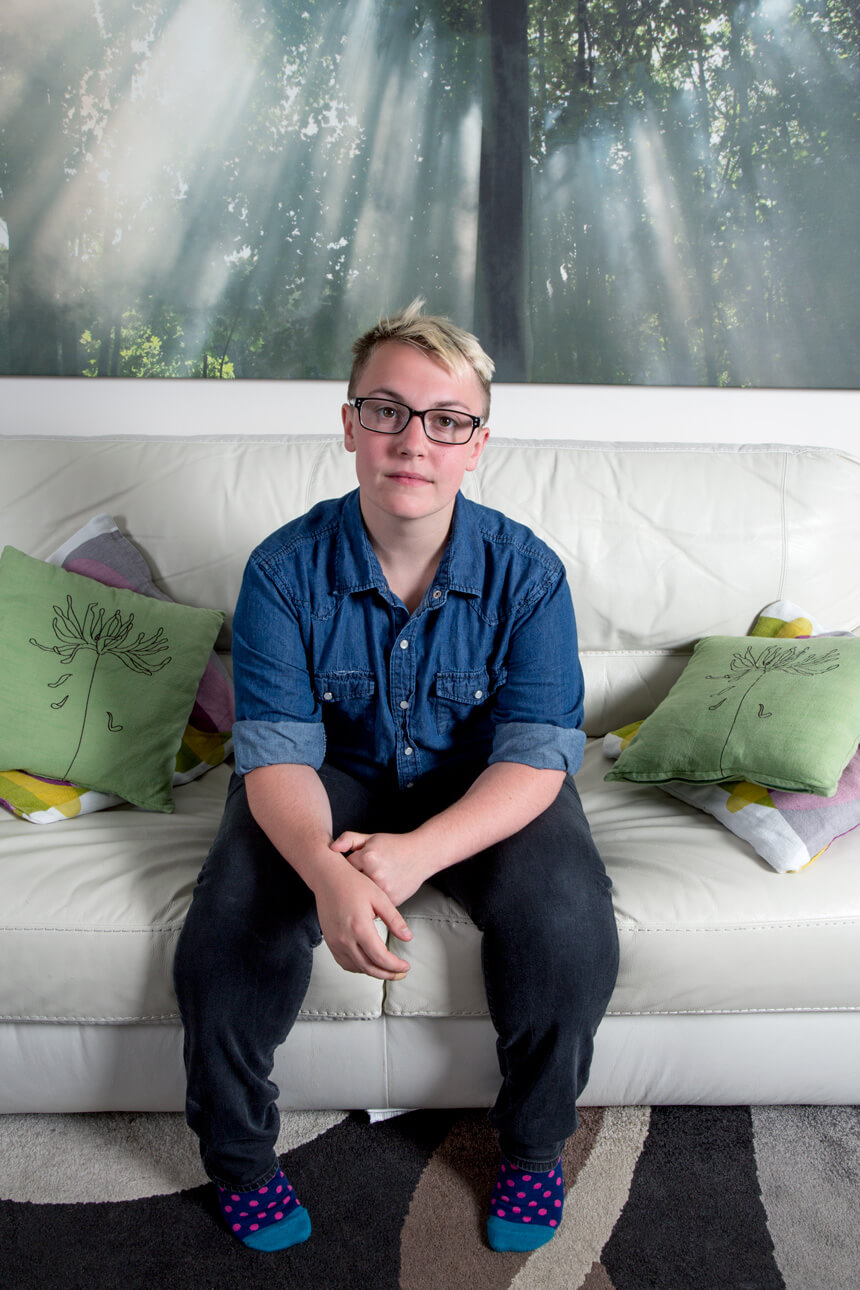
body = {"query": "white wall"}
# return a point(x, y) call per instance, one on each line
point(54, 406)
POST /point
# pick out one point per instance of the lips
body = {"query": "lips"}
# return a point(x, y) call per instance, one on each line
point(406, 477)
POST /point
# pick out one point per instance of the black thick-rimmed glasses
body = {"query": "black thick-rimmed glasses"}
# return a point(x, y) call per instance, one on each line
point(441, 425)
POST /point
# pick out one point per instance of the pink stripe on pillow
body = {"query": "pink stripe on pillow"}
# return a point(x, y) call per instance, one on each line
point(100, 572)
point(214, 707)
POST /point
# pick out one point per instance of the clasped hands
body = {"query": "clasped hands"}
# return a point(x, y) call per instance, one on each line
point(392, 860)
point(382, 870)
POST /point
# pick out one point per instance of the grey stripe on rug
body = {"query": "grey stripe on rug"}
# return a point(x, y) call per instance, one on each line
point(808, 1160)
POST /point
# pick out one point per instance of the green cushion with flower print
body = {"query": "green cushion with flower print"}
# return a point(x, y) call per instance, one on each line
point(96, 682)
point(781, 713)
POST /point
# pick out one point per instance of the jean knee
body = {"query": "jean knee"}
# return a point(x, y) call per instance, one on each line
point(564, 951)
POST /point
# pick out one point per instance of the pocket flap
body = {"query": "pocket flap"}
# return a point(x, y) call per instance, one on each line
point(463, 687)
point(332, 686)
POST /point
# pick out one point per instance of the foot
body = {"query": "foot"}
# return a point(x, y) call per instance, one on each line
point(269, 1218)
point(525, 1207)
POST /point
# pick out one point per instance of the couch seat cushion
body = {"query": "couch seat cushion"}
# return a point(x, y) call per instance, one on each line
point(705, 925)
point(91, 909)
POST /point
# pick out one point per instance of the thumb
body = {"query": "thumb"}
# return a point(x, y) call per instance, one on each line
point(349, 841)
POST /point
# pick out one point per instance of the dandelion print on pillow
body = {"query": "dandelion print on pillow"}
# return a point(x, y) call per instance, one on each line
point(747, 669)
point(784, 715)
point(98, 640)
point(96, 683)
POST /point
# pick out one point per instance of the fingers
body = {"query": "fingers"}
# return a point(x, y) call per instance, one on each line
point(370, 955)
point(361, 948)
point(392, 918)
point(390, 968)
point(373, 956)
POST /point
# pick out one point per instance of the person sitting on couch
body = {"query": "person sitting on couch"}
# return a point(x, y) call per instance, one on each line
point(409, 701)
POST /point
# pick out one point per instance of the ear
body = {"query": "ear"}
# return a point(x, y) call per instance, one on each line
point(477, 445)
point(346, 413)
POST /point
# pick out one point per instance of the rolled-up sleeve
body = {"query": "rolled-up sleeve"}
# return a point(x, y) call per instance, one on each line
point(544, 746)
point(278, 719)
point(275, 743)
point(539, 709)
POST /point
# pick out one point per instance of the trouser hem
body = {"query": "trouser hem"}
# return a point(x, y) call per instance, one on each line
point(251, 1186)
point(536, 1164)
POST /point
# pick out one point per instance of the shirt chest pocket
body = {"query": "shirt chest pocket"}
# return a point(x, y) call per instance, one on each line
point(346, 698)
point(461, 699)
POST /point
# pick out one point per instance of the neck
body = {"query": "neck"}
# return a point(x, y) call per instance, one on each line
point(409, 551)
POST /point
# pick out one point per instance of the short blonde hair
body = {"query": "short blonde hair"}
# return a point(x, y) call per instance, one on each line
point(441, 339)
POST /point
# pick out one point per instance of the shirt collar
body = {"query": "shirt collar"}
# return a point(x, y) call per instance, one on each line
point(357, 566)
point(464, 555)
point(358, 569)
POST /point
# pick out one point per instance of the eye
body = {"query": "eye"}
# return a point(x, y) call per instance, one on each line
point(444, 421)
point(383, 414)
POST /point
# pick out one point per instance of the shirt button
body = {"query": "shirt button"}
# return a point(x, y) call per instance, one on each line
point(404, 644)
point(404, 703)
point(479, 694)
point(411, 784)
point(436, 594)
point(407, 752)
point(328, 695)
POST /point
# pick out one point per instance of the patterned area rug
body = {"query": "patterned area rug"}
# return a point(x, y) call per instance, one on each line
point(674, 1198)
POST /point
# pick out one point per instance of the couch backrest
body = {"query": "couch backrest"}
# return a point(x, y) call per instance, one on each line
point(663, 544)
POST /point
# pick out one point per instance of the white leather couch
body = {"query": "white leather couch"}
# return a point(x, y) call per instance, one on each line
point(737, 984)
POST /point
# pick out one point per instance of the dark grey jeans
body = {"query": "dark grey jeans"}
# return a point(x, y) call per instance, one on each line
point(541, 898)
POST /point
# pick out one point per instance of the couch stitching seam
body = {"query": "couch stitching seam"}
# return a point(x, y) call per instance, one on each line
point(740, 927)
point(362, 1015)
point(648, 1012)
point(105, 931)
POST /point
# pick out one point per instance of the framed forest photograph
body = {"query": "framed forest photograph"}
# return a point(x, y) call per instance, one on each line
point(630, 192)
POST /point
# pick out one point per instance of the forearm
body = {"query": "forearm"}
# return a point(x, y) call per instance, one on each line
point(502, 800)
point(292, 808)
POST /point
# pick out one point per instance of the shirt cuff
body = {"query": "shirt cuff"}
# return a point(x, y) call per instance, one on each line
point(276, 743)
point(541, 745)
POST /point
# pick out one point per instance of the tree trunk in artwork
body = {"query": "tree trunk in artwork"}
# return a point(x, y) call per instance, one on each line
point(740, 79)
point(32, 176)
point(502, 275)
point(34, 339)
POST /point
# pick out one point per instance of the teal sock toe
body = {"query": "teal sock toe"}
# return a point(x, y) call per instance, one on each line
point(504, 1236)
point(280, 1236)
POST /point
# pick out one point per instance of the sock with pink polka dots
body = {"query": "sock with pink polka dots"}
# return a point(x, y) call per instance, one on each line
point(525, 1208)
point(269, 1218)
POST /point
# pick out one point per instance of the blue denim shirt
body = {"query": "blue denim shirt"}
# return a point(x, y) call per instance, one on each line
point(330, 665)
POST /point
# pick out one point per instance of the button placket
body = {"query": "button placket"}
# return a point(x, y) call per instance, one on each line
point(402, 687)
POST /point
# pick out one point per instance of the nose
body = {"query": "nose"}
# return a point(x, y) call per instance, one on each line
point(412, 437)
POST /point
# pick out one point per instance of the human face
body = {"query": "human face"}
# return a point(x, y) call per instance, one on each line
point(406, 476)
